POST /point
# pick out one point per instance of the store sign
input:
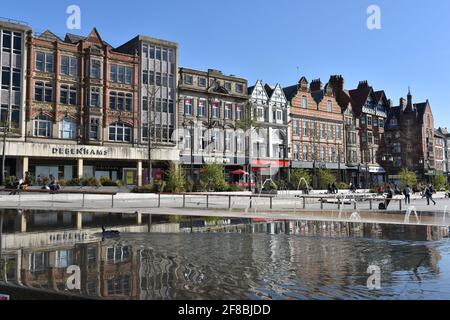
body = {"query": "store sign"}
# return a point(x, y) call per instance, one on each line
point(210, 160)
point(79, 151)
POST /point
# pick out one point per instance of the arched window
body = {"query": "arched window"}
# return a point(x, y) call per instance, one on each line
point(120, 132)
point(42, 126)
point(67, 128)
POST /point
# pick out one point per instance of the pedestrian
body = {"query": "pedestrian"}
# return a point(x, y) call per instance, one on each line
point(429, 194)
point(330, 188)
point(389, 196)
point(335, 189)
point(407, 193)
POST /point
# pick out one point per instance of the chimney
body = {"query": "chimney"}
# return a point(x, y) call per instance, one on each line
point(316, 85)
point(363, 84)
point(337, 82)
point(410, 104)
point(402, 103)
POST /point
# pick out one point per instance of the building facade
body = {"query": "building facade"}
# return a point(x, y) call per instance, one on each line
point(439, 152)
point(270, 151)
point(14, 64)
point(446, 166)
point(410, 139)
point(371, 108)
point(83, 111)
point(317, 128)
point(211, 106)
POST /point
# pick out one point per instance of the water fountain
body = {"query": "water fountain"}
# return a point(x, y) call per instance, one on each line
point(298, 189)
point(408, 215)
point(355, 217)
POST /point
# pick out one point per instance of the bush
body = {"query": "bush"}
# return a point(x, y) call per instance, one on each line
point(45, 181)
point(62, 182)
point(407, 177)
point(189, 185)
point(298, 178)
point(107, 182)
point(213, 178)
point(75, 182)
point(440, 182)
point(234, 188)
point(176, 180)
point(10, 181)
point(342, 186)
point(325, 178)
point(281, 185)
point(159, 186)
point(90, 182)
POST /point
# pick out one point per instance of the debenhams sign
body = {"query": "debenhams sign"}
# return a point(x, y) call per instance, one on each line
point(79, 151)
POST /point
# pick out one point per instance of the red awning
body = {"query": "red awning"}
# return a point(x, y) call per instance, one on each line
point(240, 172)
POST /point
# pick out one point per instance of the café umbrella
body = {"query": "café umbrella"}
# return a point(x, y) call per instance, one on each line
point(240, 172)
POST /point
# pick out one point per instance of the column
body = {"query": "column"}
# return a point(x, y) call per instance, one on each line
point(79, 220)
point(80, 168)
point(25, 162)
point(138, 218)
point(139, 173)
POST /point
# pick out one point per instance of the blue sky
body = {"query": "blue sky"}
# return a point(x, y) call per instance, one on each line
point(268, 40)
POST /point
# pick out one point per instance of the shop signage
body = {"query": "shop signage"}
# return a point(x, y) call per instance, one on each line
point(216, 160)
point(79, 151)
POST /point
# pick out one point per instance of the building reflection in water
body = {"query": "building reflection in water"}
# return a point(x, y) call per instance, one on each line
point(270, 260)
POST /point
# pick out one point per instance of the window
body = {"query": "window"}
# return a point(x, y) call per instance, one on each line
point(305, 129)
point(215, 110)
point(64, 258)
point(120, 132)
point(323, 132)
point(69, 66)
point(296, 152)
point(42, 126)
point(238, 113)
point(158, 79)
point(329, 106)
point(7, 41)
point(397, 148)
point(152, 52)
point(228, 86)
point(187, 139)
point(129, 102)
point(94, 129)
point(240, 142)
point(332, 154)
point(239, 88)
point(201, 108)
point(6, 78)
point(43, 92)
point(295, 128)
point(369, 120)
point(330, 132)
point(68, 95)
point(202, 82)
point(279, 115)
point(95, 69)
point(338, 133)
point(158, 53)
point(228, 111)
point(323, 153)
point(381, 123)
point(128, 75)
point(260, 113)
point(304, 103)
point(375, 122)
point(121, 74)
point(370, 137)
point(113, 72)
point(305, 153)
point(363, 120)
point(188, 107)
point(44, 61)
point(68, 129)
point(228, 140)
point(188, 79)
point(95, 97)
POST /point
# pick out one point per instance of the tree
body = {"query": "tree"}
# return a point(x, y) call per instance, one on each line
point(439, 181)
point(407, 177)
point(176, 179)
point(325, 178)
point(298, 178)
point(213, 177)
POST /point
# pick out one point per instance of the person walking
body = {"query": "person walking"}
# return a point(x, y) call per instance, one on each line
point(429, 194)
point(389, 196)
point(407, 193)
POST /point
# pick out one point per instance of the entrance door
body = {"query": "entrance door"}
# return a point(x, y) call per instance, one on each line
point(130, 176)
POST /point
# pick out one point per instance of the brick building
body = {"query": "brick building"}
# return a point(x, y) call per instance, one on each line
point(371, 108)
point(410, 138)
point(317, 127)
point(439, 151)
point(83, 114)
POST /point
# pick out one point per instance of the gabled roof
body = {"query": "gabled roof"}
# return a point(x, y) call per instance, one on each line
point(395, 112)
point(93, 37)
point(73, 38)
point(269, 90)
point(48, 35)
point(359, 96)
point(290, 92)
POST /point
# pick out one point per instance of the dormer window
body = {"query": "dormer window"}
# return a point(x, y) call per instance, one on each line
point(329, 106)
point(304, 102)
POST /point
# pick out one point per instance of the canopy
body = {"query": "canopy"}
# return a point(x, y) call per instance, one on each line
point(240, 172)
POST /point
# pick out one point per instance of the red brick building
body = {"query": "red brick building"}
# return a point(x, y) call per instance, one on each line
point(410, 138)
point(317, 127)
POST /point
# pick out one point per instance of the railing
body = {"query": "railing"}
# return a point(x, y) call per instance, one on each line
point(14, 21)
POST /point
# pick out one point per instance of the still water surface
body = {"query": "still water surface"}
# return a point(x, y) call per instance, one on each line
point(257, 261)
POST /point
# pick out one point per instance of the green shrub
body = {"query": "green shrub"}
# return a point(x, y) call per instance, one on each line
point(10, 181)
point(234, 188)
point(90, 182)
point(159, 186)
point(119, 183)
point(440, 182)
point(175, 179)
point(342, 186)
point(45, 181)
point(213, 178)
point(62, 182)
point(281, 185)
point(189, 185)
point(325, 178)
point(407, 177)
point(298, 177)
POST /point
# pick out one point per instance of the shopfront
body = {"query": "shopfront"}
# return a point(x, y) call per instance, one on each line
point(77, 161)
